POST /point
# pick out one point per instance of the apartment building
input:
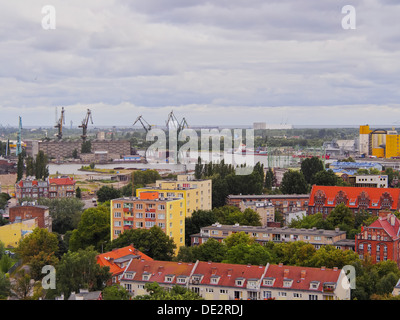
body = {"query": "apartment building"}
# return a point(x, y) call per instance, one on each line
point(380, 240)
point(148, 210)
point(12, 233)
point(263, 234)
point(221, 281)
point(325, 198)
point(285, 203)
point(196, 193)
point(63, 187)
point(60, 187)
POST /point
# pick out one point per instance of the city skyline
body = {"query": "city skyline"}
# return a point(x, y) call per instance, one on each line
point(218, 63)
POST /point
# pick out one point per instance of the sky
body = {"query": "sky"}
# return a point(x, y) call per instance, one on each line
point(221, 62)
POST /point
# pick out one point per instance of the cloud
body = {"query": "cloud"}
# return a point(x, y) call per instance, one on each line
point(222, 61)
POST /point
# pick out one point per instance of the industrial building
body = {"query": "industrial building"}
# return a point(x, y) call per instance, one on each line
point(379, 143)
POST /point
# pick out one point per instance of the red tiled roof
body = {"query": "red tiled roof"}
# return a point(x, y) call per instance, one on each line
point(159, 269)
point(352, 193)
point(301, 276)
point(384, 223)
point(62, 181)
point(108, 258)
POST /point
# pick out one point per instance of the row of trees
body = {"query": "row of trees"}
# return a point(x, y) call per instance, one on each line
point(225, 181)
point(37, 167)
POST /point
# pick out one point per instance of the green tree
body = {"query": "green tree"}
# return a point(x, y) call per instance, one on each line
point(20, 167)
point(86, 147)
point(293, 182)
point(80, 270)
point(199, 219)
point(115, 292)
point(107, 193)
point(325, 178)
point(41, 166)
point(156, 292)
point(310, 166)
point(152, 242)
point(78, 193)
point(93, 229)
point(5, 286)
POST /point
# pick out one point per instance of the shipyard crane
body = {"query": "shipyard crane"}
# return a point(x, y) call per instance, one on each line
point(172, 122)
point(84, 124)
point(19, 143)
point(59, 124)
point(146, 125)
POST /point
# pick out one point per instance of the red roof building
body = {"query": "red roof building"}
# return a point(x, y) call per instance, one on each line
point(63, 187)
point(222, 281)
point(325, 198)
point(52, 188)
point(380, 240)
point(118, 259)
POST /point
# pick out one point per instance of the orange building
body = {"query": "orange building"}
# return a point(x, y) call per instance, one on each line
point(118, 259)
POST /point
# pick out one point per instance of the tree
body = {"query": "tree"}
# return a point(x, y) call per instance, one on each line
point(341, 217)
point(115, 292)
point(40, 241)
point(23, 285)
point(5, 286)
point(152, 242)
point(293, 182)
point(78, 193)
point(270, 179)
point(80, 270)
point(93, 229)
point(65, 213)
point(20, 167)
point(199, 219)
point(156, 292)
point(325, 178)
point(310, 166)
point(107, 193)
point(41, 166)
point(86, 147)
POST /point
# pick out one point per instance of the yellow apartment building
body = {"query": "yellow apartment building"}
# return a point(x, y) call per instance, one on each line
point(146, 211)
point(11, 233)
point(196, 193)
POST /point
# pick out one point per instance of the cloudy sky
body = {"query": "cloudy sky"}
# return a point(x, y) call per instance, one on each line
point(229, 62)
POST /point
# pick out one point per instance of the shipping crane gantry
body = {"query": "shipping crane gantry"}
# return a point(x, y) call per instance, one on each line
point(59, 124)
point(146, 126)
point(173, 122)
point(85, 123)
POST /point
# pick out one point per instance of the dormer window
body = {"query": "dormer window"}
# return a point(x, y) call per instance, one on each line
point(268, 281)
point(287, 283)
point(314, 285)
point(181, 279)
point(169, 278)
point(239, 282)
point(214, 279)
point(128, 275)
point(146, 276)
point(196, 278)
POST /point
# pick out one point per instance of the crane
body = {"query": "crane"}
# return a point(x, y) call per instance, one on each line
point(84, 124)
point(59, 124)
point(173, 122)
point(19, 143)
point(146, 127)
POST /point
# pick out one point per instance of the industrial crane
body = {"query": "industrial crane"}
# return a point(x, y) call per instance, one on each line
point(146, 127)
point(59, 124)
point(19, 142)
point(173, 122)
point(84, 124)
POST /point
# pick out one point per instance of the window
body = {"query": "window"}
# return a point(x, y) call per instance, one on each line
point(312, 297)
point(269, 281)
point(139, 215)
point(139, 206)
point(267, 294)
point(117, 214)
point(239, 282)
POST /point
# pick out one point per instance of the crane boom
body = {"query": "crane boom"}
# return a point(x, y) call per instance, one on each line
point(146, 127)
point(59, 124)
point(85, 123)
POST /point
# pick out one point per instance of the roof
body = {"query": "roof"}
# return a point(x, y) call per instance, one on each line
point(117, 259)
point(385, 223)
point(62, 181)
point(302, 276)
point(353, 193)
point(228, 274)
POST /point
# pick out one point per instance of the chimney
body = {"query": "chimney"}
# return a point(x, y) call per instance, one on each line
point(303, 274)
point(146, 267)
point(213, 270)
point(111, 260)
point(392, 219)
point(383, 214)
point(335, 268)
point(323, 268)
point(280, 264)
point(160, 269)
point(286, 273)
point(229, 272)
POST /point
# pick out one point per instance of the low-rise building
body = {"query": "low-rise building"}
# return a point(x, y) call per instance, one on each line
point(12, 233)
point(381, 239)
point(324, 199)
point(265, 209)
point(118, 259)
point(263, 234)
point(60, 187)
point(29, 210)
point(222, 281)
